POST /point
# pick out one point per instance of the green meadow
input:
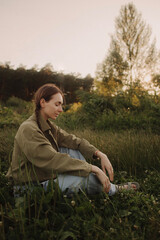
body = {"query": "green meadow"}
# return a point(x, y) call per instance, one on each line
point(134, 151)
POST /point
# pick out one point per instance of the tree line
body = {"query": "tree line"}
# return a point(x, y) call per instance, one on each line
point(131, 58)
point(23, 83)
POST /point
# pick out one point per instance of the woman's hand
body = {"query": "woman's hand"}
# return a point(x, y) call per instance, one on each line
point(102, 178)
point(105, 164)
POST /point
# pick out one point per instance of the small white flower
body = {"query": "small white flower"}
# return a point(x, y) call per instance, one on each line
point(73, 203)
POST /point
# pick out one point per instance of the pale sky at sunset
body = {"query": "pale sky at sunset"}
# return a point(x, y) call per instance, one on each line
point(72, 35)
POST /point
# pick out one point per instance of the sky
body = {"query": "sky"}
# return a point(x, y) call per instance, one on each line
point(72, 35)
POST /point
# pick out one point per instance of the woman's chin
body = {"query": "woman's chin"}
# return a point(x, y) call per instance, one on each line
point(54, 117)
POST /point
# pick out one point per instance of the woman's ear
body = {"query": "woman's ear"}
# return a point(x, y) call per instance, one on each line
point(42, 102)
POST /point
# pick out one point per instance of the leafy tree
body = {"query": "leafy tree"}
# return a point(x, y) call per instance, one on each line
point(132, 55)
point(111, 72)
point(156, 80)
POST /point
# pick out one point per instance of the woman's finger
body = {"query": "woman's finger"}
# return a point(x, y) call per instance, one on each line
point(111, 173)
point(104, 169)
point(107, 186)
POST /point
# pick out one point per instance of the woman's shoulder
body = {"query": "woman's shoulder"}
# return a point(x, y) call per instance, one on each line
point(29, 124)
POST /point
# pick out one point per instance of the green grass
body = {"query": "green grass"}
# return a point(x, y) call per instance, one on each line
point(128, 150)
point(50, 215)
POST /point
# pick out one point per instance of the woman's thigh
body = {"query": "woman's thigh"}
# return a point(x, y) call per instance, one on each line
point(71, 184)
point(90, 184)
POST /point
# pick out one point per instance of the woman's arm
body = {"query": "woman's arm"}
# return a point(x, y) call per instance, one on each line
point(68, 140)
point(37, 150)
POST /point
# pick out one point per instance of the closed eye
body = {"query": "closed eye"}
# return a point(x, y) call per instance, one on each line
point(58, 104)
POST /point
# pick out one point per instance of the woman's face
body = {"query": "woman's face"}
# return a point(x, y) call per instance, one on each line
point(53, 107)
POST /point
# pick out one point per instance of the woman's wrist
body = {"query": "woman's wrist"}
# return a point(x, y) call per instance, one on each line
point(96, 153)
point(99, 154)
point(94, 169)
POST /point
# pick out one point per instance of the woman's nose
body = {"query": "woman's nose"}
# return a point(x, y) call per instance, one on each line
point(60, 109)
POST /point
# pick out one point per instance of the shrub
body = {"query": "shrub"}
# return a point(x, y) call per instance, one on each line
point(19, 105)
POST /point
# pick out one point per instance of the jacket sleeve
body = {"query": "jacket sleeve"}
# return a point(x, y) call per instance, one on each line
point(65, 139)
point(38, 150)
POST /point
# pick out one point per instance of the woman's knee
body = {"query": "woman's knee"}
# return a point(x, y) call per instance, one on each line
point(72, 152)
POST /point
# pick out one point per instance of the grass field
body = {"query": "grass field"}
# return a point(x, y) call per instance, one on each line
point(135, 156)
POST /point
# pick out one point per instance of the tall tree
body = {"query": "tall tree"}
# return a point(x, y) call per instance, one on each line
point(112, 71)
point(132, 55)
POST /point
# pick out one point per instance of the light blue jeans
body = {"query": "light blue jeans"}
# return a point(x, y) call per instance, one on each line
point(73, 184)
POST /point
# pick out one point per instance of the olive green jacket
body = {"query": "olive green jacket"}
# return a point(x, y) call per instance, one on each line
point(36, 155)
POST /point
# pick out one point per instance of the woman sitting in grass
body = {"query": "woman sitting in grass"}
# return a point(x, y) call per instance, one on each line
point(43, 151)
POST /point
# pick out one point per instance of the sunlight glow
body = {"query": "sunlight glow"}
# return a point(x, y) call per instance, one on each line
point(147, 78)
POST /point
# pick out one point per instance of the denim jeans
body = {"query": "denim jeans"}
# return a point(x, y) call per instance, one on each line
point(73, 184)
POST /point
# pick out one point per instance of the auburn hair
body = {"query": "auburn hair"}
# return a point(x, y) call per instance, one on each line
point(46, 91)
